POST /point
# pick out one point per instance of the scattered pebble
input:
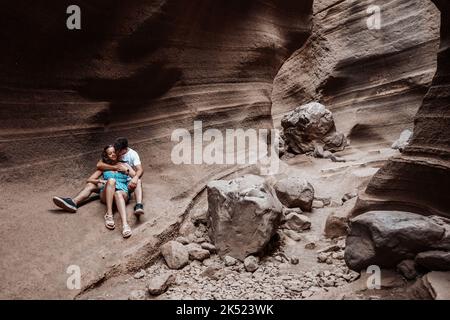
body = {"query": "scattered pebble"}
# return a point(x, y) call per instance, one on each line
point(139, 275)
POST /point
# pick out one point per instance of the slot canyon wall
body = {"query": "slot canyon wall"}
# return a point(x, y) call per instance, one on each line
point(364, 76)
point(138, 69)
point(419, 179)
point(142, 68)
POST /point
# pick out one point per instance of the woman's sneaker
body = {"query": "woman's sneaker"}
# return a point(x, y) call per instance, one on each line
point(66, 204)
point(139, 209)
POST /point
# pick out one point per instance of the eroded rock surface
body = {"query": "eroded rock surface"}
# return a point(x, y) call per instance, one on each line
point(385, 238)
point(311, 126)
point(244, 214)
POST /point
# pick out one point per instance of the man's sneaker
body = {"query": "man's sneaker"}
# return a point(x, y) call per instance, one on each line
point(139, 209)
point(66, 204)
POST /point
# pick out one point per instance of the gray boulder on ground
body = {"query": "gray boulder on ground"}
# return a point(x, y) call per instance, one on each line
point(244, 214)
point(159, 284)
point(403, 141)
point(434, 260)
point(175, 254)
point(295, 192)
point(311, 125)
point(385, 238)
point(196, 252)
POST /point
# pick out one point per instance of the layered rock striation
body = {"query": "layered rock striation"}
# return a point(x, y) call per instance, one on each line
point(373, 80)
point(419, 179)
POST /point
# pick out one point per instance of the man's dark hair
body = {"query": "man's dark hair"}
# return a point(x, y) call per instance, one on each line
point(120, 144)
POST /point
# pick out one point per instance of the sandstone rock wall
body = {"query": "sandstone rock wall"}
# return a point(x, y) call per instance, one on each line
point(138, 68)
point(372, 80)
point(419, 179)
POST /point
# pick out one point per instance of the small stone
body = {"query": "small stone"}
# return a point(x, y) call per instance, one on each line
point(310, 245)
point(161, 283)
point(348, 196)
point(229, 261)
point(137, 295)
point(337, 255)
point(329, 260)
point(139, 275)
point(175, 254)
point(196, 252)
point(322, 257)
point(208, 246)
point(317, 204)
point(294, 260)
point(200, 240)
point(331, 248)
point(297, 222)
point(182, 240)
point(408, 269)
point(251, 263)
point(307, 294)
point(293, 235)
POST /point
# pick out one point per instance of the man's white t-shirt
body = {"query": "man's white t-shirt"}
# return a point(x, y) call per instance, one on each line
point(132, 158)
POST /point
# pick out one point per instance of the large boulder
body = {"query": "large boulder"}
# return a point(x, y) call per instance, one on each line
point(243, 214)
point(385, 238)
point(309, 126)
point(175, 254)
point(295, 192)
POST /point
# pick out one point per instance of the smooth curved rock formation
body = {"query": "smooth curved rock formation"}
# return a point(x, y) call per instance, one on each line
point(372, 80)
point(419, 179)
point(140, 69)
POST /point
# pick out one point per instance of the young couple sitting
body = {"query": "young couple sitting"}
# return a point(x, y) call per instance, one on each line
point(117, 176)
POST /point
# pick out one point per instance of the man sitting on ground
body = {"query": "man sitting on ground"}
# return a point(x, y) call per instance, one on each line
point(126, 155)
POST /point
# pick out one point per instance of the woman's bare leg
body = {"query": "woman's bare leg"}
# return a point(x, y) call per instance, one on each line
point(121, 199)
point(107, 195)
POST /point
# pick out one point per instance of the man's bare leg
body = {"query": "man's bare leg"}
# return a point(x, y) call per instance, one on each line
point(139, 207)
point(71, 205)
point(84, 194)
